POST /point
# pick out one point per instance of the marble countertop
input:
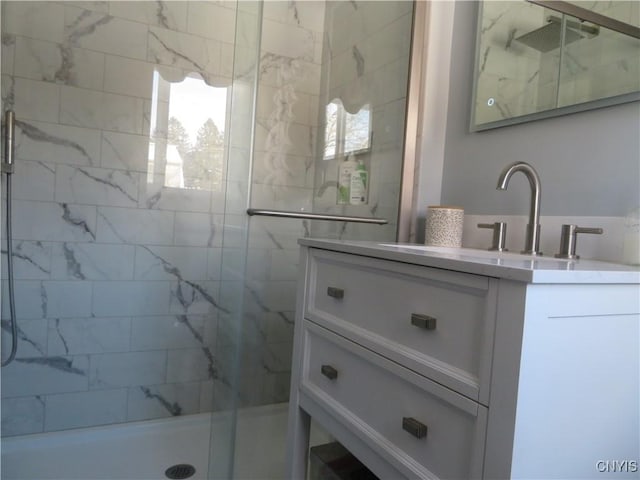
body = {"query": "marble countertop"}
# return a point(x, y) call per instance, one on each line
point(512, 266)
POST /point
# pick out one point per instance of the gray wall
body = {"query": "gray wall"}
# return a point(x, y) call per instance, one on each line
point(589, 162)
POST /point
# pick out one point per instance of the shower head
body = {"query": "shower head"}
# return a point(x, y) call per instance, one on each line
point(548, 37)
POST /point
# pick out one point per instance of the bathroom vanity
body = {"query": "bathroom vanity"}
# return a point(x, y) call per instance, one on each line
point(458, 363)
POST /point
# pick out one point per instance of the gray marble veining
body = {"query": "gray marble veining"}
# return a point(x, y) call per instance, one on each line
point(187, 292)
point(73, 266)
point(111, 182)
point(31, 260)
point(493, 22)
point(9, 93)
point(38, 135)
point(61, 336)
point(57, 363)
point(92, 261)
point(186, 297)
point(359, 59)
point(184, 320)
point(76, 29)
point(24, 338)
point(44, 300)
point(173, 408)
point(191, 296)
point(177, 58)
point(75, 221)
point(485, 56)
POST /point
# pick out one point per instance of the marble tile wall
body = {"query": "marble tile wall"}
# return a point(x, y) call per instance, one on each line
point(129, 293)
point(366, 61)
point(307, 59)
point(606, 63)
point(522, 80)
point(282, 178)
point(118, 277)
point(511, 82)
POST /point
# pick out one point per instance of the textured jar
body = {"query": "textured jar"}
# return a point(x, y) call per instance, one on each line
point(443, 226)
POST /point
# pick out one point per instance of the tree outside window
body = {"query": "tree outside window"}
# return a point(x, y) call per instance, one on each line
point(346, 133)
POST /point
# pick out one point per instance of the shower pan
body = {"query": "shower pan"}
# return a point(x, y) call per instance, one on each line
point(154, 314)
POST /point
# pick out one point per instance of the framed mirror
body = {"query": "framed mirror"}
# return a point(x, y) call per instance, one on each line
point(537, 59)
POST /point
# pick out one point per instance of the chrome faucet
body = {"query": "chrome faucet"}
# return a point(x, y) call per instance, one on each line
point(532, 240)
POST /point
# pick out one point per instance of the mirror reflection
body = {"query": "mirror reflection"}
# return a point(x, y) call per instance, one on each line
point(534, 62)
point(346, 133)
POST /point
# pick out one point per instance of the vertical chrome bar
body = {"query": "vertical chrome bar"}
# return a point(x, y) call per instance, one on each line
point(9, 133)
point(413, 124)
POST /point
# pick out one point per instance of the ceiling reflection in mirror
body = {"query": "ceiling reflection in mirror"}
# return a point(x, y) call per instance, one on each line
point(534, 62)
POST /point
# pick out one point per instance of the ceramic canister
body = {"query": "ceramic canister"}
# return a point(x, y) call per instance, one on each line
point(444, 226)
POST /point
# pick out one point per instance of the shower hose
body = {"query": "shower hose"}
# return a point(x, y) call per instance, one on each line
point(12, 303)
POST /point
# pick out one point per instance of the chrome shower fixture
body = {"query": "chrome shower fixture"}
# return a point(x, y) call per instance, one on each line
point(9, 136)
point(7, 168)
point(549, 36)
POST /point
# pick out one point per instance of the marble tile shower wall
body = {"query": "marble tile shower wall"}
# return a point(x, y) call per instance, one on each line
point(522, 80)
point(117, 277)
point(366, 61)
point(608, 62)
point(512, 83)
point(282, 178)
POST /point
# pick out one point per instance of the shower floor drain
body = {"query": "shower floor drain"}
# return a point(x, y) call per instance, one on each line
point(180, 471)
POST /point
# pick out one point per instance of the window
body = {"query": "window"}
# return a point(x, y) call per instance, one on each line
point(188, 121)
point(346, 133)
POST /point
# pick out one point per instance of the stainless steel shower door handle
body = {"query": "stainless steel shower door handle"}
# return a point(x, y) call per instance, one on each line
point(315, 216)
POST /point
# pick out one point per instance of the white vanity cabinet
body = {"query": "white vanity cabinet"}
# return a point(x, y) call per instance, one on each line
point(451, 366)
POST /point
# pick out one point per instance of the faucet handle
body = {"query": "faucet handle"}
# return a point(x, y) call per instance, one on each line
point(499, 235)
point(569, 237)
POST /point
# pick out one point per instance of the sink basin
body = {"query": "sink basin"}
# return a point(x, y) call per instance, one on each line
point(472, 252)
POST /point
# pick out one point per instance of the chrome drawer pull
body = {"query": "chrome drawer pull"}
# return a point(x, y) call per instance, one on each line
point(414, 427)
point(423, 321)
point(329, 372)
point(335, 292)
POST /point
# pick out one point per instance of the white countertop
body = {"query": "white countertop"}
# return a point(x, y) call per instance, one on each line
point(508, 265)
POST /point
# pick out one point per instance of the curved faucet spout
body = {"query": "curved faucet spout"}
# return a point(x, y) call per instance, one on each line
point(532, 241)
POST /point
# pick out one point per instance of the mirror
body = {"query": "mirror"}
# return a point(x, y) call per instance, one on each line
point(536, 59)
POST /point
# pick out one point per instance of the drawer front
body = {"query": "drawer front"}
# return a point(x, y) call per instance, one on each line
point(436, 322)
point(423, 429)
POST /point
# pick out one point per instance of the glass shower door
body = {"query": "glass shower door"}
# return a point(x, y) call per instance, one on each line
point(313, 55)
point(125, 113)
point(145, 294)
point(224, 388)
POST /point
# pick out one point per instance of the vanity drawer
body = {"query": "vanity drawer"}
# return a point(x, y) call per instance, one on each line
point(423, 429)
point(436, 322)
